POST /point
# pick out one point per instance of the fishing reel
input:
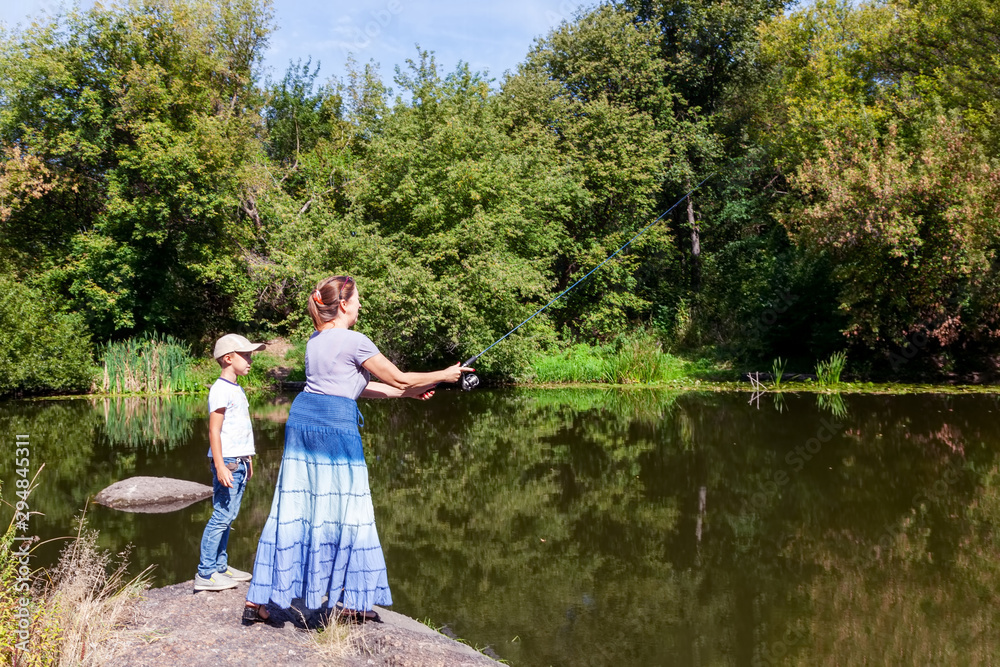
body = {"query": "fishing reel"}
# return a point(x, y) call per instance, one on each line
point(469, 381)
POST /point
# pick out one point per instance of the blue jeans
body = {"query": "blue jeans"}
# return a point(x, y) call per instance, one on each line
point(226, 505)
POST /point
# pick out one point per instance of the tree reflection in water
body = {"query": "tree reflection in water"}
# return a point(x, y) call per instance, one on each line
point(598, 527)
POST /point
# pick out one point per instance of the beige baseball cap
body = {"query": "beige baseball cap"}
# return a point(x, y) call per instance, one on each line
point(235, 343)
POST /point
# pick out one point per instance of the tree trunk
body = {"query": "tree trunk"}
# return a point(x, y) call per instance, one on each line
point(695, 248)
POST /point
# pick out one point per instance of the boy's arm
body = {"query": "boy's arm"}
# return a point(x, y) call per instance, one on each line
point(215, 442)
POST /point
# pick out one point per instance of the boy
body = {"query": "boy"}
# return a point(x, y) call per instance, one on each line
point(230, 438)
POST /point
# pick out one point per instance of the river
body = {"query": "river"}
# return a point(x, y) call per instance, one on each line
point(607, 527)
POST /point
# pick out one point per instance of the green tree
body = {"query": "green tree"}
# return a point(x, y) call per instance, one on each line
point(133, 135)
point(646, 99)
point(951, 55)
point(448, 223)
point(710, 55)
point(891, 169)
point(594, 89)
point(298, 117)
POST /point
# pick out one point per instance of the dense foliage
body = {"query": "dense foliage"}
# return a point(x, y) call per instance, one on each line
point(152, 181)
point(39, 350)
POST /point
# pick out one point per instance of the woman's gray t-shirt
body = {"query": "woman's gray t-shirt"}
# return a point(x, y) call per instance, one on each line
point(333, 362)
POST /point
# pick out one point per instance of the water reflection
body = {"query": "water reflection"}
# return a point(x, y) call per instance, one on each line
point(156, 423)
point(832, 403)
point(594, 527)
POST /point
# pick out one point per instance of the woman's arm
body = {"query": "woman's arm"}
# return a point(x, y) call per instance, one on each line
point(411, 384)
point(381, 390)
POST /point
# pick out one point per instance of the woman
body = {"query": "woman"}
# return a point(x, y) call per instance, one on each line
point(320, 539)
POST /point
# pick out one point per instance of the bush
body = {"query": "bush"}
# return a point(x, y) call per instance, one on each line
point(640, 359)
point(75, 610)
point(41, 350)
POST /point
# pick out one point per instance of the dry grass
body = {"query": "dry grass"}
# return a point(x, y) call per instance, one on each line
point(90, 598)
point(79, 607)
point(337, 642)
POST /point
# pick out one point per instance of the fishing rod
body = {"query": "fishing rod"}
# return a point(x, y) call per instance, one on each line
point(470, 381)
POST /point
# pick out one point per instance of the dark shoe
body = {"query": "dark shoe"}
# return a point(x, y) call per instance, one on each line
point(252, 615)
point(356, 617)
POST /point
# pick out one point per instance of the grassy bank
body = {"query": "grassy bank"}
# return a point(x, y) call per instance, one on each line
point(641, 361)
point(638, 359)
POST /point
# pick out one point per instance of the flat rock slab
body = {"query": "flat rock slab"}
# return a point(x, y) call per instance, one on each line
point(179, 627)
point(152, 494)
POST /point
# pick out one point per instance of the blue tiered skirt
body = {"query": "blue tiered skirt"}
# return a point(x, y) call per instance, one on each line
point(320, 538)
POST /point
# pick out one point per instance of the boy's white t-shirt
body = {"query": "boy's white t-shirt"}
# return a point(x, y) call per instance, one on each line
point(237, 432)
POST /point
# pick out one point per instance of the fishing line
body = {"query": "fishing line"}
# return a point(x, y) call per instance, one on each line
point(470, 380)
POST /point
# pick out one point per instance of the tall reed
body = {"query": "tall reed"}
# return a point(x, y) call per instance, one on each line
point(152, 364)
point(828, 372)
point(639, 359)
point(636, 361)
point(778, 371)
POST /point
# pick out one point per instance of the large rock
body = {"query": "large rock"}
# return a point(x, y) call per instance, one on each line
point(152, 494)
point(204, 630)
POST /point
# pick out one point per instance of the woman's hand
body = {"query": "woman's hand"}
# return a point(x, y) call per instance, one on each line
point(424, 396)
point(453, 373)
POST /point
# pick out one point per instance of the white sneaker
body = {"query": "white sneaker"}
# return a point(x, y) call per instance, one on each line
point(237, 575)
point(217, 582)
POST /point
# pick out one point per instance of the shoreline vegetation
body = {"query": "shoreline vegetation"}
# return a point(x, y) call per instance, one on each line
point(164, 366)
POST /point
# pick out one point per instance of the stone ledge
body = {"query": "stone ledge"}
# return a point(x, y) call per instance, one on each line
point(178, 627)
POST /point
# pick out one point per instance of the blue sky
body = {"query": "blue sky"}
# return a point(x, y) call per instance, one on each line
point(489, 36)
